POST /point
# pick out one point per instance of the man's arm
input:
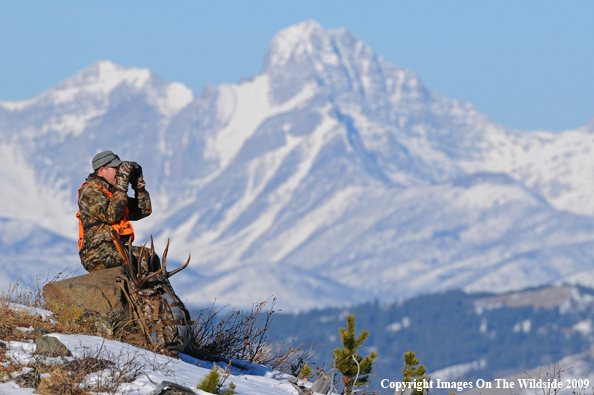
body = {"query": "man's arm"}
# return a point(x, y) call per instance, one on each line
point(139, 206)
point(96, 204)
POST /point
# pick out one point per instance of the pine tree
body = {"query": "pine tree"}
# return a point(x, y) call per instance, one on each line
point(210, 382)
point(411, 371)
point(343, 358)
point(213, 383)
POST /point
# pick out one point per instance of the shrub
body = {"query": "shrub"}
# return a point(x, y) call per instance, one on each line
point(244, 336)
point(237, 336)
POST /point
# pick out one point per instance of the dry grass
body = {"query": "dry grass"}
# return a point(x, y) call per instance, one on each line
point(95, 371)
point(20, 325)
point(290, 358)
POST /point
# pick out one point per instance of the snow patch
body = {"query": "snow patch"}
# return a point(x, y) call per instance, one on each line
point(245, 107)
point(457, 371)
point(523, 326)
point(73, 123)
point(177, 96)
point(17, 105)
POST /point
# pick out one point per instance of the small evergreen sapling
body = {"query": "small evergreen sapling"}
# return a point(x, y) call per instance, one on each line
point(343, 358)
point(213, 383)
point(411, 371)
point(305, 372)
point(210, 382)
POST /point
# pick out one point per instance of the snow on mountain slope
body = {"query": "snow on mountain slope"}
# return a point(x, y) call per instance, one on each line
point(559, 166)
point(331, 177)
point(244, 108)
point(26, 197)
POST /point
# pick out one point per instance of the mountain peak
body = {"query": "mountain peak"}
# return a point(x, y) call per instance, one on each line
point(104, 76)
point(306, 52)
point(96, 83)
point(294, 40)
point(98, 78)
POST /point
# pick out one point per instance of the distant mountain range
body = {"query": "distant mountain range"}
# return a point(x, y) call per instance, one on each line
point(332, 177)
point(462, 337)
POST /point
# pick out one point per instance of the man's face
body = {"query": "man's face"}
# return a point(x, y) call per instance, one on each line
point(109, 174)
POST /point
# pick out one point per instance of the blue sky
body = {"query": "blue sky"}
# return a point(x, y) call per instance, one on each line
point(526, 64)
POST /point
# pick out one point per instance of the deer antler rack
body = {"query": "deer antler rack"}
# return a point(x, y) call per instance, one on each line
point(169, 274)
point(141, 279)
point(136, 276)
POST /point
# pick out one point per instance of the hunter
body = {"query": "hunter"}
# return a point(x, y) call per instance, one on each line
point(104, 206)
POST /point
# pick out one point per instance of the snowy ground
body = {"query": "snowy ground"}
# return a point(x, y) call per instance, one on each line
point(150, 368)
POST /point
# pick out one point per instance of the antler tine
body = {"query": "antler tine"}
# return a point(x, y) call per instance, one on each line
point(138, 265)
point(180, 269)
point(165, 256)
point(130, 256)
point(120, 247)
point(148, 277)
point(152, 257)
point(139, 280)
point(130, 263)
point(144, 279)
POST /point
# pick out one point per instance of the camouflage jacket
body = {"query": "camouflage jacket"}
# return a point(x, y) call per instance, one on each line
point(97, 212)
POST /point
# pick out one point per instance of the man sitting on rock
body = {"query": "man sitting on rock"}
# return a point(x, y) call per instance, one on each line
point(104, 206)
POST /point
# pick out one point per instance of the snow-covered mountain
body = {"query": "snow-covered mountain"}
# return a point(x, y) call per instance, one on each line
point(331, 177)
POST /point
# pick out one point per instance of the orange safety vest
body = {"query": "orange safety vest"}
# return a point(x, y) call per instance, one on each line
point(123, 227)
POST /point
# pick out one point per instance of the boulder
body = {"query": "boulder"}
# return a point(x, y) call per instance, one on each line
point(51, 346)
point(96, 294)
point(170, 388)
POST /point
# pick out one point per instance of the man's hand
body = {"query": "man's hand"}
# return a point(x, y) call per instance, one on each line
point(136, 179)
point(123, 176)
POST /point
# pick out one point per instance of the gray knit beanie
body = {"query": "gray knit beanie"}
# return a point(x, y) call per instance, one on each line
point(105, 159)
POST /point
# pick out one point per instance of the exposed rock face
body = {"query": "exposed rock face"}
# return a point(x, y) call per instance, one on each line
point(96, 293)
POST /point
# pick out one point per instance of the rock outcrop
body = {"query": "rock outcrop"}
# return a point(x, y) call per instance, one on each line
point(96, 294)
